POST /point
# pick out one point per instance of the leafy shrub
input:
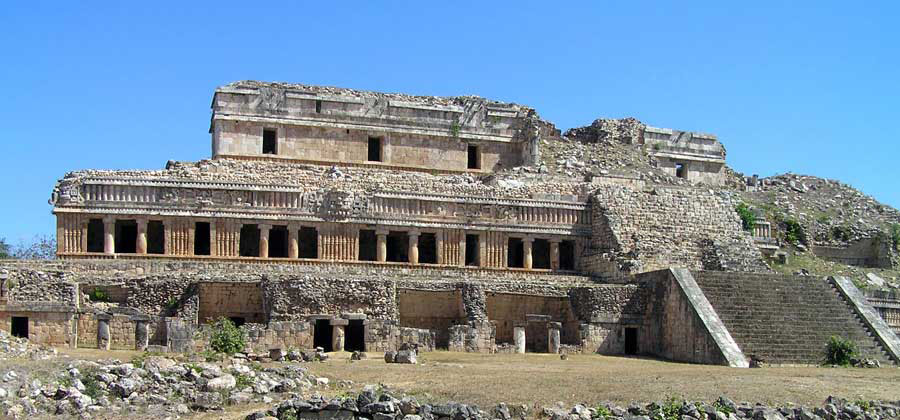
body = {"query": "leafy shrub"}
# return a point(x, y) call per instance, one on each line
point(227, 338)
point(793, 232)
point(454, 129)
point(839, 351)
point(841, 233)
point(748, 219)
point(669, 410)
point(98, 295)
point(602, 413)
point(895, 235)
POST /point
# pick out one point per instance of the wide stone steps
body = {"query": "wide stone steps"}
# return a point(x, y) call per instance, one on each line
point(785, 319)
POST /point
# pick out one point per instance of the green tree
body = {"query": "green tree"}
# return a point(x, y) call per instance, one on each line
point(4, 249)
point(227, 338)
point(748, 218)
point(41, 247)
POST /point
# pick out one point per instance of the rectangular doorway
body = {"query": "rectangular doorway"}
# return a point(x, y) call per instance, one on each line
point(355, 338)
point(322, 334)
point(631, 341)
point(19, 326)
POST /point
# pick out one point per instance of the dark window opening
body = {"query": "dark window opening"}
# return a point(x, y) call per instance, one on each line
point(322, 333)
point(474, 160)
point(278, 242)
point(473, 253)
point(95, 235)
point(397, 247)
point(237, 320)
point(567, 255)
point(427, 248)
point(201, 238)
point(309, 243)
point(631, 342)
point(270, 142)
point(318, 106)
point(19, 327)
point(374, 149)
point(249, 246)
point(680, 170)
point(355, 337)
point(126, 236)
point(368, 245)
point(540, 254)
point(156, 237)
point(516, 253)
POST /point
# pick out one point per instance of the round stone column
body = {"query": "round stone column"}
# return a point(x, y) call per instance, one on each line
point(519, 338)
point(554, 340)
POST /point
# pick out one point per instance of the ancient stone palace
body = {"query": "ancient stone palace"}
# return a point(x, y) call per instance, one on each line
point(355, 220)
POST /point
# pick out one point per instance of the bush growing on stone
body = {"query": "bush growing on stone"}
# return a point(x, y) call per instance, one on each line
point(748, 219)
point(98, 295)
point(839, 351)
point(895, 235)
point(227, 338)
point(793, 232)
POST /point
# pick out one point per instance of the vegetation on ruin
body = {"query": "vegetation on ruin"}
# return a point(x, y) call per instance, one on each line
point(227, 338)
point(894, 232)
point(840, 351)
point(4, 249)
point(748, 218)
point(98, 295)
point(454, 129)
point(793, 232)
point(669, 410)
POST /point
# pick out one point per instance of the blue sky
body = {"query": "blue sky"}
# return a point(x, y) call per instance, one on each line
point(806, 87)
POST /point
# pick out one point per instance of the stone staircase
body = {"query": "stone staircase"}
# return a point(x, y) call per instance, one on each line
point(786, 319)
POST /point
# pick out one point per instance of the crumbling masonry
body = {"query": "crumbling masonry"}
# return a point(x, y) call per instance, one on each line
point(355, 220)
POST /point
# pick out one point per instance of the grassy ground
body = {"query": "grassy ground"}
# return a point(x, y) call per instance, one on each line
point(540, 379)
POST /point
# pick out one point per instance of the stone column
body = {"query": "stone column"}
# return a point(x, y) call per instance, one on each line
point(103, 333)
point(554, 254)
point(337, 333)
point(213, 239)
point(293, 245)
point(381, 249)
point(141, 334)
point(439, 238)
point(526, 246)
point(264, 240)
point(462, 249)
point(84, 229)
point(414, 247)
point(141, 245)
point(554, 340)
point(519, 338)
point(109, 236)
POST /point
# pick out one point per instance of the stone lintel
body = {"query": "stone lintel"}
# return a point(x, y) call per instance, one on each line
point(354, 316)
point(537, 318)
point(554, 325)
point(340, 322)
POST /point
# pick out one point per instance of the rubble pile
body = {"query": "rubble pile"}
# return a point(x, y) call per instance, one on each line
point(374, 403)
point(155, 386)
point(15, 348)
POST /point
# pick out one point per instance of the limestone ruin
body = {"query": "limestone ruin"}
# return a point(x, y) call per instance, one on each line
point(362, 221)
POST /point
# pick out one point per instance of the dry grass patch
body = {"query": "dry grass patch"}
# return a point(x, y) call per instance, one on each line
point(544, 379)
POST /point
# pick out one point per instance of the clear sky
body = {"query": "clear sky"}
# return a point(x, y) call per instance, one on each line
point(803, 87)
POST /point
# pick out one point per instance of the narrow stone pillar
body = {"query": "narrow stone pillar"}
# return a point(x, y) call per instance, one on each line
point(519, 338)
point(264, 240)
point(439, 238)
point(141, 245)
point(414, 247)
point(337, 333)
point(381, 249)
point(293, 245)
point(462, 249)
point(526, 246)
point(213, 239)
point(554, 254)
point(84, 230)
point(109, 236)
point(103, 333)
point(554, 341)
point(141, 335)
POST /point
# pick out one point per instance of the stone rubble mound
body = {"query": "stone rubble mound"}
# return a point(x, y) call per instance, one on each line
point(15, 347)
point(378, 404)
point(154, 386)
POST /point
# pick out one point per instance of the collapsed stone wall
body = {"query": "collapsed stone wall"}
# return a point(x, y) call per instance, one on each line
point(608, 301)
point(29, 285)
point(294, 297)
point(609, 131)
point(637, 231)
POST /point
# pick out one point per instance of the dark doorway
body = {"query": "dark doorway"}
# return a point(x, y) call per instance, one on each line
point(309, 243)
point(368, 244)
point(567, 255)
point(540, 254)
point(516, 253)
point(270, 142)
point(322, 334)
point(278, 242)
point(427, 248)
point(249, 241)
point(19, 327)
point(318, 106)
point(397, 247)
point(156, 237)
point(474, 158)
point(201, 238)
point(237, 320)
point(473, 252)
point(631, 342)
point(374, 149)
point(355, 338)
point(680, 170)
point(126, 236)
point(95, 235)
